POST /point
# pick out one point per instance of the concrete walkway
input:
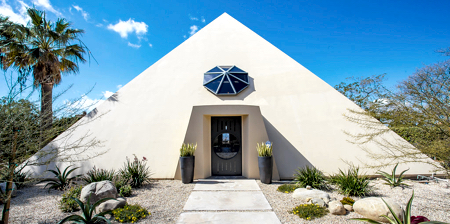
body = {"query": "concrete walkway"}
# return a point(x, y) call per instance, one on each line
point(227, 201)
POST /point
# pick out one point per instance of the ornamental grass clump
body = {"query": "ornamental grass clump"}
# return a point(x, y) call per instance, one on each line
point(130, 213)
point(264, 150)
point(310, 176)
point(187, 149)
point(135, 173)
point(97, 175)
point(352, 183)
point(287, 188)
point(391, 180)
point(67, 202)
point(309, 211)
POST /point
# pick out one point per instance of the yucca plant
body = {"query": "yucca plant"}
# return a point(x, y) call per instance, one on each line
point(264, 150)
point(396, 220)
point(310, 176)
point(87, 211)
point(352, 183)
point(187, 149)
point(391, 180)
point(96, 175)
point(62, 179)
point(135, 173)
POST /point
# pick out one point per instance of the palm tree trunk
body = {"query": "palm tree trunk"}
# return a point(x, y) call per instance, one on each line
point(46, 110)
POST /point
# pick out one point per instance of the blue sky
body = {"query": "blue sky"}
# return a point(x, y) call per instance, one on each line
point(333, 39)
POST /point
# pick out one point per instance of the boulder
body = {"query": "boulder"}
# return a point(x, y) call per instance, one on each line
point(348, 208)
point(319, 202)
point(98, 190)
point(111, 204)
point(336, 208)
point(3, 188)
point(303, 194)
point(374, 207)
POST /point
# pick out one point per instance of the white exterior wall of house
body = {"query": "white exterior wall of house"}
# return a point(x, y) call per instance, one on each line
point(153, 114)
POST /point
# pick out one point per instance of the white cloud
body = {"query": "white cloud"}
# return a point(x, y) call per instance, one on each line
point(134, 45)
point(184, 36)
point(83, 13)
point(46, 4)
point(119, 86)
point(203, 19)
point(20, 17)
point(150, 45)
point(194, 30)
point(193, 18)
point(99, 25)
point(130, 26)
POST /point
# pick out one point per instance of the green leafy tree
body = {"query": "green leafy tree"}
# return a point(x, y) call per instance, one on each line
point(44, 48)
point(417, 109)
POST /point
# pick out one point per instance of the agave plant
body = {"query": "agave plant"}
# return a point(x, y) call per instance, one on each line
point(391, 180)
point(62, 179)
point(396, 220)
point(87, 212)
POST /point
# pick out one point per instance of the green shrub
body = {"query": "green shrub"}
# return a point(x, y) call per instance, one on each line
point(67, 203)
point(130, 213)
point(125, 191)
point(264, 150)
point(135, 173)
point(391, 180)
point(310, 176)
point(309, 211)
point(187, 149)
point(288, 188)
point(347, 201)
point(351, 183)
point(97, 175)
point(62, 179)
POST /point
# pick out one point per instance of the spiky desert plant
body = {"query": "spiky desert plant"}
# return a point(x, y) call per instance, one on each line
point(391, 180)
point(62, 179)
point(264, 150)
point(188, 149)
point(87, 211)
point(310, 176)
point(96, 175)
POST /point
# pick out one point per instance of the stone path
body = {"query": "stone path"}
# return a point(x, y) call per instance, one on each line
point(227, 201)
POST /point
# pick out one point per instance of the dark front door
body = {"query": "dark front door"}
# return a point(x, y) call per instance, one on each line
point(226, 154)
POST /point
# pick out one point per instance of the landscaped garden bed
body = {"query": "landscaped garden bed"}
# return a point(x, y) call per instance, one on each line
point(164, 199)
point(431, 200)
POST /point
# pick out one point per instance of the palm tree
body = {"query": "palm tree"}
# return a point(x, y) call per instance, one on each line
point(45, 49)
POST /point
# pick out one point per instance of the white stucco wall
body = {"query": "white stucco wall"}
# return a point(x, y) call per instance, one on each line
point(302, 114)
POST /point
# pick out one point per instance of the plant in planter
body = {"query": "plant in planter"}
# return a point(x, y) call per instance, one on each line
point(265, 161)
point(187, 162)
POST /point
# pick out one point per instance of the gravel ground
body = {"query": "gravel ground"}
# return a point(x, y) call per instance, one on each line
point(430, 200)
point(163, 198)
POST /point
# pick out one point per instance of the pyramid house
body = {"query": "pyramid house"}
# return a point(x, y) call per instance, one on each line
point(225, 83)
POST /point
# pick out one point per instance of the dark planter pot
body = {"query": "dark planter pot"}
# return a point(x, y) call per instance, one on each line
point(265, 165)
point(187, 165)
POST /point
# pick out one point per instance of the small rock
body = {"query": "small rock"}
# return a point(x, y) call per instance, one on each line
point(111, 205)
point(303, 194)
point(308, 199)
point(319, 202)
point(348, 208)
point(98, 190)
point(308, 187)
point(3, 188)
point(336, 208)
point(374, 207)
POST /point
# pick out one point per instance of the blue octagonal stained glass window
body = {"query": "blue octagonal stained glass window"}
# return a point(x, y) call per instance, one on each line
point(225, 80)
